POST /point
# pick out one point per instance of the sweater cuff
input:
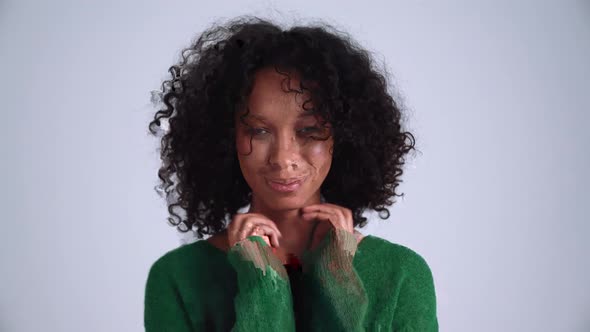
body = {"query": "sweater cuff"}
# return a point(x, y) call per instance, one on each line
point(255, 250)
point(338, 244)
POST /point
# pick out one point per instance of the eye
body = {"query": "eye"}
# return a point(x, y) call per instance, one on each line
point(309, 130)
point(257, 131)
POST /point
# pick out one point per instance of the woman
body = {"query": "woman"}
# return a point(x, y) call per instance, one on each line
point(299, 125)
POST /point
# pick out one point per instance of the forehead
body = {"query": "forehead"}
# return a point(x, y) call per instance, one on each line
point(278, 96)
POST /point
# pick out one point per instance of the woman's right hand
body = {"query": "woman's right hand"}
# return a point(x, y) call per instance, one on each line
point(244, 225)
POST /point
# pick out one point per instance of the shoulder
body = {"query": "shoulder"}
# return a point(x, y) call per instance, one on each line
point(397, 257)
point(185, 261)
point(178, 255)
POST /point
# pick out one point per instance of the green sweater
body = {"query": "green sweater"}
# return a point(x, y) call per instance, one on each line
point(373, 286)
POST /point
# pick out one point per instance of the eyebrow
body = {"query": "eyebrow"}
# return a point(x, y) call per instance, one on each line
point(263, 119)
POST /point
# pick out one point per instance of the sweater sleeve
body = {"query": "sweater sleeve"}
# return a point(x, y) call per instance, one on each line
point(163, 308)
point(416, 305)
point(264, 301)
point(337, 299)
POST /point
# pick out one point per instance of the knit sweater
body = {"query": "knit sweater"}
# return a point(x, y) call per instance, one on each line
point(374, 285)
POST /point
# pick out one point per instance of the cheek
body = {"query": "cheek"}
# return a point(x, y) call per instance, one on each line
point(251, 154)
point(320, 156)
point(243, 145)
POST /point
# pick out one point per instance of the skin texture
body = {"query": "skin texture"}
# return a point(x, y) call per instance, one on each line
point(211, 169)
point(214, 79)
point(274, 141)
point(280, 146)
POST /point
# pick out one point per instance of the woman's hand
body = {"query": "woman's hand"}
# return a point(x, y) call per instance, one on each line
point(330, 216)
point(338, 216)
point(244, 225)
point(339, 297)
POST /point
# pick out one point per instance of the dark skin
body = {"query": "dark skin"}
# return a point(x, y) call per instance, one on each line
point(273, 141)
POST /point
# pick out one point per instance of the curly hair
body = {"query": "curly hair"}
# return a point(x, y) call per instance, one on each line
point(200, 174)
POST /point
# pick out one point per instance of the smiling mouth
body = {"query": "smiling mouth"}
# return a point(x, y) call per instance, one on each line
point(287, 185)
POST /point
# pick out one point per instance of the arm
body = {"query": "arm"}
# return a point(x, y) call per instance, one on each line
point(416, 308)
point(337, 298)
point(163, 308)
point(264, 301)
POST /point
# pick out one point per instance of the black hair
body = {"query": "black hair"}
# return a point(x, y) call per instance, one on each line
point(200, 174)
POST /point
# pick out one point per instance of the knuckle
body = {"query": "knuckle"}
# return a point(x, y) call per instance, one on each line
point(348, 214)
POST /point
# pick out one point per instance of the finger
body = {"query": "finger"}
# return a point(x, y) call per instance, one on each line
point(266, 239)
point(244, 231)
point(258, 231)
point(243, 224)
point(324, 207)
point(260, 219)
point(264, 230)
point(342, 216)
point(272, 225)
point(323, 216)
point(336, 220)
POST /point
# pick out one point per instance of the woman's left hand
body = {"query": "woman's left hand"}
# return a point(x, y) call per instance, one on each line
point(330, 216)
point(339, 217)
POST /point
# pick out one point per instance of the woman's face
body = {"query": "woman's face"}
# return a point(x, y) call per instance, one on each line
point(279, 160)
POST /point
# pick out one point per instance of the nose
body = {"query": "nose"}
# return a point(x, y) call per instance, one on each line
point(284, 152)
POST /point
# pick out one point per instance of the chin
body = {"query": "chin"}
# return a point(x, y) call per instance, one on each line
point(286, 202)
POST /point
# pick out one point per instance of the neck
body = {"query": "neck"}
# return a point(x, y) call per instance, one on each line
point(296, 231)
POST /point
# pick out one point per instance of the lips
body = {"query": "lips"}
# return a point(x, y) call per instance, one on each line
point(286, 185)
point(287, 181)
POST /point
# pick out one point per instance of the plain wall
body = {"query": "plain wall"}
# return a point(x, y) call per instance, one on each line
point(496, 201)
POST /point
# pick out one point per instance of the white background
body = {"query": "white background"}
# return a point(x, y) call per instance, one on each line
point(496, 202)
